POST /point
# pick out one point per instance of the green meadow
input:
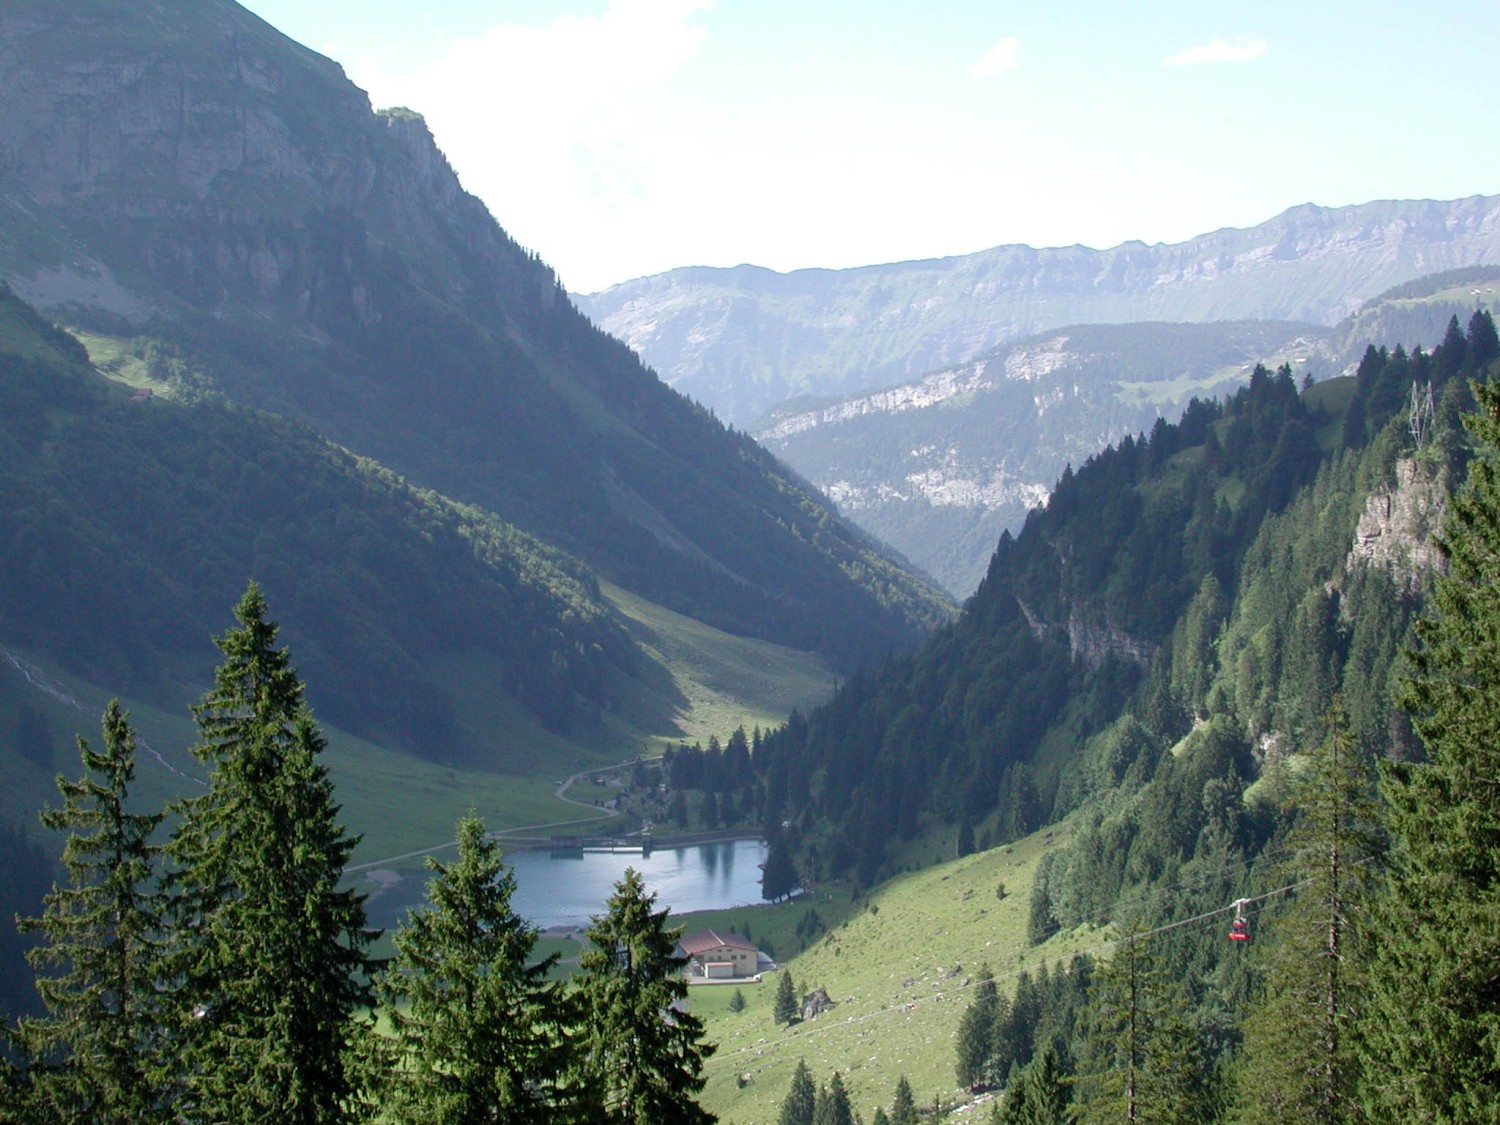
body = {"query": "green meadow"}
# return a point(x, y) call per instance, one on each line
point(900, 966)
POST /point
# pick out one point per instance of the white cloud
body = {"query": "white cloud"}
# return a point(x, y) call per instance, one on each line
point(1242, 48)
point(998, 59)
point(549, 124)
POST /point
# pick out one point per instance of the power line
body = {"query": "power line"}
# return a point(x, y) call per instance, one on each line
point(959, 990)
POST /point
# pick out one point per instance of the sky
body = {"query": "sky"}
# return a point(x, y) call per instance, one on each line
point(622, 138)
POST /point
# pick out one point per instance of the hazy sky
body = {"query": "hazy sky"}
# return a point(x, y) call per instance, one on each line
point(619, 138)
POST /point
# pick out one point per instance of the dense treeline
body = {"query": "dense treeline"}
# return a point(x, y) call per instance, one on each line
point(1294, 631)
point(222, 974)
point(1097, 383)
point(1095, 641)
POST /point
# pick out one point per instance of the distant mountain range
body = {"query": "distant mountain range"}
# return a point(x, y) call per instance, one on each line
point(745, 339)
point(940, 466)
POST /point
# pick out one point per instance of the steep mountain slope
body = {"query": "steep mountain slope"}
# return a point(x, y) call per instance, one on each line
point(941, 466)
point(179, 171)
point(938, 467)
point(1245, 564)
point(741, 340)
point(1409, 314)
point(129, 516)
point(1133, 705)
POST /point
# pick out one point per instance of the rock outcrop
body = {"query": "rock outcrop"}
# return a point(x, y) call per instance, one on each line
point(243, 171)
point(1400, 524)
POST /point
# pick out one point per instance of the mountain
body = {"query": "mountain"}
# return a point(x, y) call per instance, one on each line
point(1240, 568)
point(940, 466)
point(742, 340)
point(218, 210)
point(128, 517)
point(1125, 740)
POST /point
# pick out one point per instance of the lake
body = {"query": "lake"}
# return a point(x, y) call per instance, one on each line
point(567, 889)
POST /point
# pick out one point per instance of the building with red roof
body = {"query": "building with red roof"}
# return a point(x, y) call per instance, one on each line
point(715, 956)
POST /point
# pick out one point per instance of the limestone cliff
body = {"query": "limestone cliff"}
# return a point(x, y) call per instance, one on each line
point(742, 340)
point(1400, 524)
point(220, 166)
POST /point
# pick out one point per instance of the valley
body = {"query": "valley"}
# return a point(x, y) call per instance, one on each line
point(1089, 647)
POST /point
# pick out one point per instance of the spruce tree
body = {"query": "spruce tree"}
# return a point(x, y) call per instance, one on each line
point(798, 1106)
point(477, 1028)
point(832, 1106)
point(96, 1054)
point(779, 876)
point(1040, 1094)
point(1299, 1059)
point(976, 1030)
point(904, 1104)
point(642, 1052)
point(786, 998)
point(1140, 1059)
point(1430, 1036)
point(270, 960)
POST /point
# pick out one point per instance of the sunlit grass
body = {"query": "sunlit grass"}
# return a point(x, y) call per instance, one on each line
point(900, 969)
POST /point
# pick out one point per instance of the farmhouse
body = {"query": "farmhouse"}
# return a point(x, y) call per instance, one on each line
point(716, 956)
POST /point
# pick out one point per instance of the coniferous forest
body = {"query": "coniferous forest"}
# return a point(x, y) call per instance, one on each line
point(1247, 659)
point(223, 974)
point(1256, 701)
point(1225, 709)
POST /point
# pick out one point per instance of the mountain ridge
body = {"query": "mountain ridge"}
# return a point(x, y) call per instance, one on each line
point(742, 339)
point(940, 467)
point(181, 171)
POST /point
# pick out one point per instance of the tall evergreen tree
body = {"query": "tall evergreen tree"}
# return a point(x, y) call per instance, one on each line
point(478, 1029)
point(271, 965)
point(1300, 1064)
point(903, 1104)
point(976, 1030)
point(1141, 1059)
point(785, 1010)
point(1431, 1046)
point(96, 1055)
point(832, 1106)
point(1040, 1095)
point(801, 1099)
point(779, 876)
point(642, 1053)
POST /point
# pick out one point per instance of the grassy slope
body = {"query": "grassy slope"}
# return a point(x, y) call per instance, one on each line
point(900, 965)
point(400, 803)
point(724, 681)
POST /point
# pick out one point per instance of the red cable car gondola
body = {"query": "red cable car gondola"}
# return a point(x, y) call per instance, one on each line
point(1239, 929)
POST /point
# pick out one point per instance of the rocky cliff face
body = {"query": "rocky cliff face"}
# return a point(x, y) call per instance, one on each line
point(1400, 524)
point(939, 467)
point(239, 169)
point(742, 340)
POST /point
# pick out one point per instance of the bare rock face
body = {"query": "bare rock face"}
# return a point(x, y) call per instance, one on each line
point(1094, 644)
point(189, 143)
point(1401, 522)
point(815, 1003)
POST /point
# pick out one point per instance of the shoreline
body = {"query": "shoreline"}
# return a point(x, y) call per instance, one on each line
point(682, 840)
